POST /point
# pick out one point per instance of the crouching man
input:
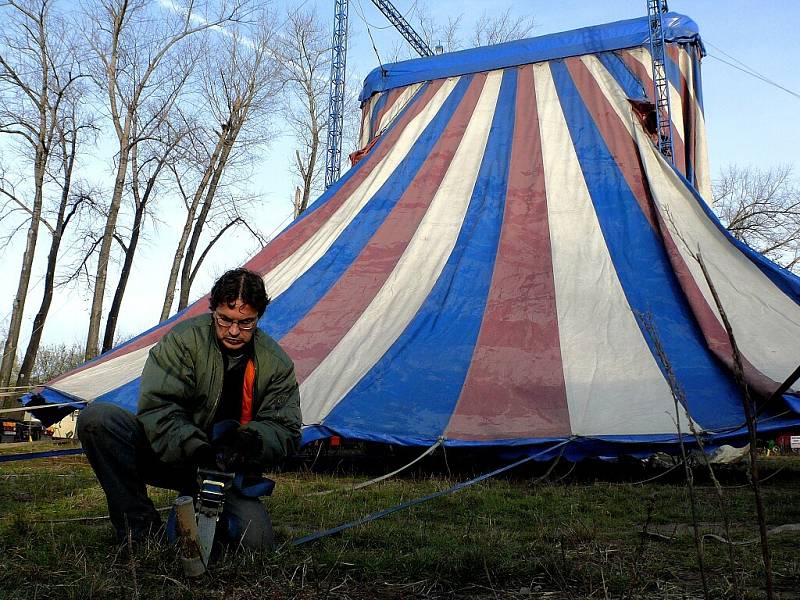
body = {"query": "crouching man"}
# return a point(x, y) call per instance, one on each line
point(216, 393)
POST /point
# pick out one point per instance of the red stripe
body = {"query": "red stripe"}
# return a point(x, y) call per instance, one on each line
point(312, 339)
point(646, 80)
point(625, 153)
point(364, 119)
point(293, 238)
point(686, 105)
point(515, 384)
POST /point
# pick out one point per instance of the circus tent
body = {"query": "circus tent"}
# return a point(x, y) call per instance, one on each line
point(511, 262)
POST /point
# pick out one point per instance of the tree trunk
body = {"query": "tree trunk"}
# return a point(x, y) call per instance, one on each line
point(169, 296)
point(141, 201)
point(96, 313)
point(23, 379)
point(186, 273)
point(309, 178)
point(10, 347)
point(116, 303)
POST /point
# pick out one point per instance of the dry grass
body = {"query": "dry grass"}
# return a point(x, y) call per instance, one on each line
point(580, 537)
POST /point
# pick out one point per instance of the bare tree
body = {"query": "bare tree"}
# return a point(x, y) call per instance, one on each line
point(239, 87)
point(53, 360)
point(499, 27)
point(492, 27)
point(304, 51)
point(137, 44)
point(36, 73)
point(762, 209)
point(68, 206)
point(147, 161)
point(437, 33)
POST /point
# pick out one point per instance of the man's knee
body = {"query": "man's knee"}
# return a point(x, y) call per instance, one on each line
point(249, 523)
point(102, 417)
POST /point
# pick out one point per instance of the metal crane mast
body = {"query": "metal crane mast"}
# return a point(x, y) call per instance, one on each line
point(655, 10)
point(333, 158)
point(396, 19)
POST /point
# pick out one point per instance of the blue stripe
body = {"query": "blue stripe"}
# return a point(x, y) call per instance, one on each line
point(643, 267)
point(54, 397)
point(697, 80)
point(291, 306)
point(622, 74)
point(125, 396)
point(412, 390)
point(375, 110)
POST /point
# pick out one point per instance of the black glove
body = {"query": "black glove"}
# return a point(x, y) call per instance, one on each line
point(204, 457)
point(238, 449)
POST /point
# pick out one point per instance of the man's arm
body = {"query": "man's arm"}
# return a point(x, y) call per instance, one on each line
point(165, 401)
point(278, 420)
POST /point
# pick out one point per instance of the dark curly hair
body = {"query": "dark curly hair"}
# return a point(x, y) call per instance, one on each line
point(240, 284)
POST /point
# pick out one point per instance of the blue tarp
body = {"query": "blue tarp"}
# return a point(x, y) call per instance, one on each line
point(587, 40)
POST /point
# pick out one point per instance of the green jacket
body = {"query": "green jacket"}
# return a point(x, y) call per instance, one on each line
point(181, 387)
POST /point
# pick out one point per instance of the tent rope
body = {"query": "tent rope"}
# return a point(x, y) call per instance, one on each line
point(41, 407)
point(403, 505)
point(364, 484)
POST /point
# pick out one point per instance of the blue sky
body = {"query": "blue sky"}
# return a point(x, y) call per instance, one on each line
point(749, 122)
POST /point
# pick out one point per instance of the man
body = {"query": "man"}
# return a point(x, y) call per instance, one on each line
point(207, 373)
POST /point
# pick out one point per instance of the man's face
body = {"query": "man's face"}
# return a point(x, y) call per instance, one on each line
point(233, 337)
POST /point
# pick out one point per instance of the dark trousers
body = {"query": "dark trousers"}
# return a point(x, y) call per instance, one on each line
point(123, 460)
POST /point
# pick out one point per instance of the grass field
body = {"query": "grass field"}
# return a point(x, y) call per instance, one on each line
point(591, 531)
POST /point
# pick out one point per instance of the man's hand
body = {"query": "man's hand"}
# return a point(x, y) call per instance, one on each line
point(205, 457)
point(237, 448)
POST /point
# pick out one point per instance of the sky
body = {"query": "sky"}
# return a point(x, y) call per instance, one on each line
point(748, 121)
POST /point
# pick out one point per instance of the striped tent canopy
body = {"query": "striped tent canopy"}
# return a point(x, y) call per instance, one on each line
point(511, 263)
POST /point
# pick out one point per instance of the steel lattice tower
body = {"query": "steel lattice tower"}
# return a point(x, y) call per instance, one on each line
point(336, 100)
point(655, 11)
point(396, 19)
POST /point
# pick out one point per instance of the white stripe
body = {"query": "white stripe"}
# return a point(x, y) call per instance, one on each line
point(398, 105)
point(765, 322)
point(406, 289)
point(613, 92)
point(283, 275)
point(701, 167)
point(107, 376)
point(614, 385)
point(366, 126)
point(365, 134)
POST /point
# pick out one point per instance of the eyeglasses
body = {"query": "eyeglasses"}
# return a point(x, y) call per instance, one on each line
point(243, 324)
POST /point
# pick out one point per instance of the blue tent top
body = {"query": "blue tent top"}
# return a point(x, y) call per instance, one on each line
point(587, 40)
